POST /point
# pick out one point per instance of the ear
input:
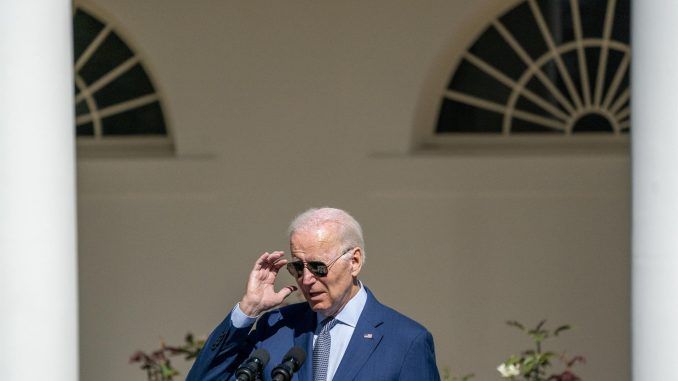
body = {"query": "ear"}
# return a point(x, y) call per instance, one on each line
point(356, 261)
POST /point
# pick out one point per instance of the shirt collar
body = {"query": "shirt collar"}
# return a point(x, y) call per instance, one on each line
point(351, 312)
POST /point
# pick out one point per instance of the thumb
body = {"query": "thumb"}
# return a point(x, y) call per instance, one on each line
point(285, 292)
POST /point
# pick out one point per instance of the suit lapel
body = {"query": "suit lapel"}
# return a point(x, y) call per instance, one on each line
point(365, 339)
point(303, 337)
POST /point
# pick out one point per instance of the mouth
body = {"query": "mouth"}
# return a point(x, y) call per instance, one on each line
point(315, 294)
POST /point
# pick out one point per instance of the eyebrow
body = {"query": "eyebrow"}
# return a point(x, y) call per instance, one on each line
point(315, 259)
point(294, 257)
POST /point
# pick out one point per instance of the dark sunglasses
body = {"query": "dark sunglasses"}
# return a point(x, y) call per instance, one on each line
point(317, 268)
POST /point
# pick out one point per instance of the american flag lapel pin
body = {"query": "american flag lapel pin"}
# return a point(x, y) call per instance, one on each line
point(367, 336)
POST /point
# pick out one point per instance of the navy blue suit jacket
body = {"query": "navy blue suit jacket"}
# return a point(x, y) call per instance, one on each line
point(385, 346)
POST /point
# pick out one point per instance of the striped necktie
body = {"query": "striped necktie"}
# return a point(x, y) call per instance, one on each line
point(321, 350)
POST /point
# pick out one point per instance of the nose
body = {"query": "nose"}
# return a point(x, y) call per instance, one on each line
point(307, 278)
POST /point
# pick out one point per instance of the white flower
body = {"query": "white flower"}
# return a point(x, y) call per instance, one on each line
point(507, 371)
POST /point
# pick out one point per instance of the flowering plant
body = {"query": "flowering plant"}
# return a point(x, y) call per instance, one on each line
point(157, 364)
point(532, 364)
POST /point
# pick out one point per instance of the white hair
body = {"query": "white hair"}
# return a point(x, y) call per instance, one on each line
point(350, 232)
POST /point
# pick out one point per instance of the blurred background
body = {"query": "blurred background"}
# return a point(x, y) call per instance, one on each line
point(482, 144)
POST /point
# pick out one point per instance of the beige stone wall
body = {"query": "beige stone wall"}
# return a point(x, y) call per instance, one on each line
point(280, 106)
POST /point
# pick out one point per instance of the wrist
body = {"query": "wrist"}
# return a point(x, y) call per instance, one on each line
point(248, 308)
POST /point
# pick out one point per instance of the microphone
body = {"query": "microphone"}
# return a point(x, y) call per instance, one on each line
point(290, 364)
point(253, 366)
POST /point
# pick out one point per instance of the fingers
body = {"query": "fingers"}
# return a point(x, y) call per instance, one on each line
point(267, 260)
point(272, 262)
point(280, 264)
point(260, 262)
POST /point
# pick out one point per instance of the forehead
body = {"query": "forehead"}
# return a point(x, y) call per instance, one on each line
point(315, 241)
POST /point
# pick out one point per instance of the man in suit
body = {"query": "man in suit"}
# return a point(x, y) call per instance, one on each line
point(347, 334)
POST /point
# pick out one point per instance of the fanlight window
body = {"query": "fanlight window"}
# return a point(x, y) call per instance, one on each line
point(544, 67)
point(114, 95)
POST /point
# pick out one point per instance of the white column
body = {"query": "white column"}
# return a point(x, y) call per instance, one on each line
point(655, 189)
point(38, 266)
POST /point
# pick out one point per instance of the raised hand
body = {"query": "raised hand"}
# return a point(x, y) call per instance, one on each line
point(260, 294)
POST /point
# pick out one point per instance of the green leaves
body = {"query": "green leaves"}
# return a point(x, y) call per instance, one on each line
point(167, 371)
point(532, 364)
point(513, 323)
point(561, 329)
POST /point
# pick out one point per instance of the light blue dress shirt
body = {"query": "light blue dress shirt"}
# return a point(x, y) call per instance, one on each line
point(341, 333)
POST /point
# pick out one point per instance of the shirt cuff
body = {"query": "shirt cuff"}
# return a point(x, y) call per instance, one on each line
point(239, 319)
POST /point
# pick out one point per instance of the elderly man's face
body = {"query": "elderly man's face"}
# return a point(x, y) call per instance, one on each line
point(328, 294)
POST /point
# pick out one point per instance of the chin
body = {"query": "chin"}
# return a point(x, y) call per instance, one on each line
point(324, 307)
point(318, 307)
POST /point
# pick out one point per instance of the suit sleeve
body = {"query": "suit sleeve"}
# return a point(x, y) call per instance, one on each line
point(226, 348)
point(420, 360)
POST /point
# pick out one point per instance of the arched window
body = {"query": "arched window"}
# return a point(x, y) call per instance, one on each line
point(116, 102)
point(544, 68)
